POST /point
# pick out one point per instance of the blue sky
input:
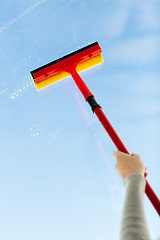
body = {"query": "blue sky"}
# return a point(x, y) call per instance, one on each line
point(57, 174)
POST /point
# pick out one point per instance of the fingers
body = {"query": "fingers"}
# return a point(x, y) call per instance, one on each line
point(118, 155)
point(127, 164)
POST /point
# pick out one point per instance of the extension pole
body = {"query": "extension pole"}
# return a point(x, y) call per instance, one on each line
point(120, 146)
point(96, 108)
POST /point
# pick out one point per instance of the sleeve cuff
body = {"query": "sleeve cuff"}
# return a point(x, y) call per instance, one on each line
point(136, 179)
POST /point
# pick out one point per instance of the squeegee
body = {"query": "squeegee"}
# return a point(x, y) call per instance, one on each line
point(71, 65)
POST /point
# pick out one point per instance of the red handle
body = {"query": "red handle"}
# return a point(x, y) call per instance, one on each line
point(109, 129)
point(120, 146)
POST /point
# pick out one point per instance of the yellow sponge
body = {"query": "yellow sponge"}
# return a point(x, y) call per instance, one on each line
point(59, 76)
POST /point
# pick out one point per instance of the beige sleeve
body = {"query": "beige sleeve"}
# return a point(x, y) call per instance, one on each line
point(133, 225)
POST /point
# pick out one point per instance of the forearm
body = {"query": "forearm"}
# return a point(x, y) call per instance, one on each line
point(134, 225)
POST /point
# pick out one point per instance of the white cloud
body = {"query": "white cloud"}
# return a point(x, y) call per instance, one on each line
point(145, 84)
point(138, 50)
point(147, 15)
point(115, 22)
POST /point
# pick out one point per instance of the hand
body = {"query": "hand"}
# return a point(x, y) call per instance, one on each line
point(127, 164)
